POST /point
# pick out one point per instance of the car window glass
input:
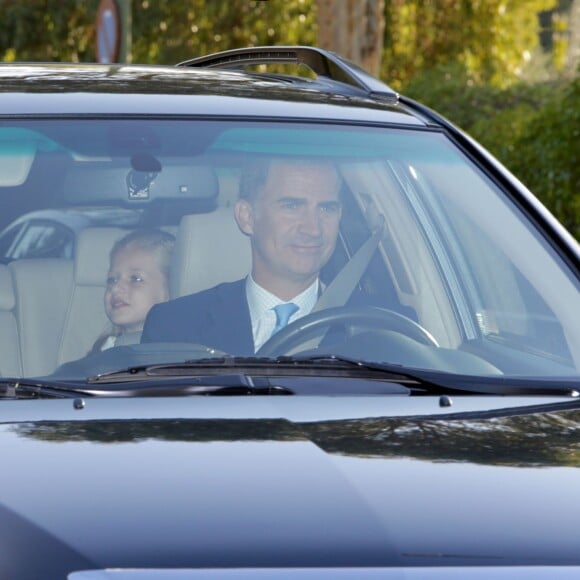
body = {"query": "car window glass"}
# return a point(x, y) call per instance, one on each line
point(453, 265)
point(44, 240)
point(7, 240)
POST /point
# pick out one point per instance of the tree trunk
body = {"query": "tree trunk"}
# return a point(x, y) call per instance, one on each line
point(573, 60)
point(354, 30)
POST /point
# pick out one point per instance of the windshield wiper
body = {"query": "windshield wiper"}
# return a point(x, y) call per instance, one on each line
point(256, 368)
point(13, 388)
point(222, 385)
point(420, 381)
point(450, 383)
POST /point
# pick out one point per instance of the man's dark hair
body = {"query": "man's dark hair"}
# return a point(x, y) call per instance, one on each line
point(255, 174)
point(253, 178)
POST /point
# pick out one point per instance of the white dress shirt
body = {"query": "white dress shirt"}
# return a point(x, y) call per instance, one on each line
point(261, 304)
point(109, 343)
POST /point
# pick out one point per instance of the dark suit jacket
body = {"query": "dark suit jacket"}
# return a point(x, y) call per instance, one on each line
point(218, 318)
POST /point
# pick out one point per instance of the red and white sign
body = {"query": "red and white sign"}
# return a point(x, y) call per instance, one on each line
point(108, 32)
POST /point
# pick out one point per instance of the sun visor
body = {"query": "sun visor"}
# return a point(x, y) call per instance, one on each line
point(139, 183)
point(18, 149)
point(15, 162)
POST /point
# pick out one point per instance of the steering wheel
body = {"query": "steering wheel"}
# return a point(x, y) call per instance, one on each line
point(312, 325)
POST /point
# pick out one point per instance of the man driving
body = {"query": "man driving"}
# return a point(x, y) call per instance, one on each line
point(290, 209)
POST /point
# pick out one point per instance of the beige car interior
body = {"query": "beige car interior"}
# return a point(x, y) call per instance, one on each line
point(10, 359)
point(51, 310)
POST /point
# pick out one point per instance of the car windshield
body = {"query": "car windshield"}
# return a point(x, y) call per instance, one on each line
point(383, 244)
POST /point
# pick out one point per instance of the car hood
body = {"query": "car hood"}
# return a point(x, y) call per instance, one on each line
point(197, 489)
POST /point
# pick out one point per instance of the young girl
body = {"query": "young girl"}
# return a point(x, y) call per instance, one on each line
point(137, 279)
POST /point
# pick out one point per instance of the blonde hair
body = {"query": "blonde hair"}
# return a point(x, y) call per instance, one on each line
point(151, 240)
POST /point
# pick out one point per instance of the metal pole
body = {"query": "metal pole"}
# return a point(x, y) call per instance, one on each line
point(126, 30)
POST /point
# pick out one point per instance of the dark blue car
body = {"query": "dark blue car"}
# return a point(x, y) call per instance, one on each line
point(412, 412)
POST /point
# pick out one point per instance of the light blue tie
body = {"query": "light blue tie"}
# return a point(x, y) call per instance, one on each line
point(283, 314)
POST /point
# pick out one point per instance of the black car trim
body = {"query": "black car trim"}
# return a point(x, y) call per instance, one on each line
point(322, 62)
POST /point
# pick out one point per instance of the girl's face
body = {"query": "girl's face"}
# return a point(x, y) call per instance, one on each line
point(134, 284)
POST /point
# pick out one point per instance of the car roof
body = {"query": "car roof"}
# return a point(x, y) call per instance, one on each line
point(128, 90)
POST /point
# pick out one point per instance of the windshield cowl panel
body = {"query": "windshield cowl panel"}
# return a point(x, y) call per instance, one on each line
point(318, 407)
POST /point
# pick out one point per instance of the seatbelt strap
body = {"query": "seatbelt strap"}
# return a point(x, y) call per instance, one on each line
point(340, 289)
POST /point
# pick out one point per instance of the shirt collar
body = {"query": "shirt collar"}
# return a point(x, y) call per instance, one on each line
point(260, 300)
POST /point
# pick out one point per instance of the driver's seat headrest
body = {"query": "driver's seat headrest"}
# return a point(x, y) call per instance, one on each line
point(210, 249)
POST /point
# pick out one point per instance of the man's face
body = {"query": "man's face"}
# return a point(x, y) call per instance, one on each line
point(293, 224)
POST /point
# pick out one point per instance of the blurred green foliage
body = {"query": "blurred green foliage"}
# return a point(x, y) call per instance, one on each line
point(47, 30)
point(163, 31)
point(546, 155)
point(163, 34)
point(463, 58)
point(492, 39)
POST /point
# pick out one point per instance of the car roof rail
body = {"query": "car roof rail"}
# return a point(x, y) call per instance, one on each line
point(322, 62)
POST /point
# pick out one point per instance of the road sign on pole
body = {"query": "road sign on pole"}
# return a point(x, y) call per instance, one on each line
point(113, 31)
point(108, 32)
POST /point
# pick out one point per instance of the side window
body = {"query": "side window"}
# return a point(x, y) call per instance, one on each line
point(43, 239)
point(7, 242)
point(506, 302)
